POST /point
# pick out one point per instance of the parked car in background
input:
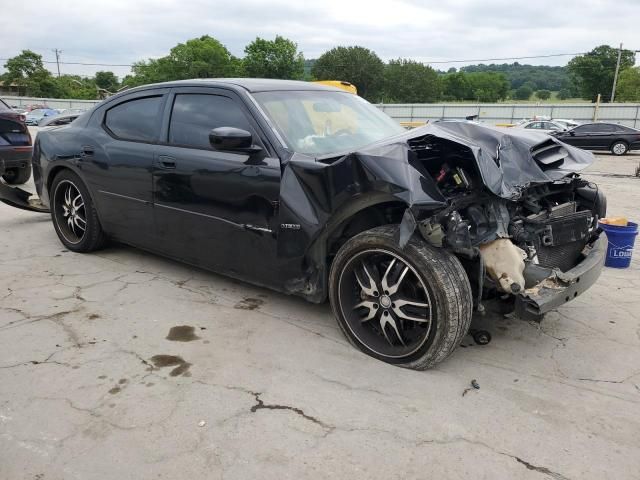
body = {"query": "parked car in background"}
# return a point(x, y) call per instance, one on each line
point(565, 123)
point(58, 120)
point(20, 110)
point(313, 191)
point(15, 146)
point(34, 116)
point(618, 139)
point(544, 126)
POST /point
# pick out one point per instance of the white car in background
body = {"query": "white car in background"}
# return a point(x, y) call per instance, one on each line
point(545, 126)
point(566, 123)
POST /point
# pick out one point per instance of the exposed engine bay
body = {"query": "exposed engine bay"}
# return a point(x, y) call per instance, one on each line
point(545, 229)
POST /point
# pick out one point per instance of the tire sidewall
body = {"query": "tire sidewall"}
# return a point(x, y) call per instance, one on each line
point(412, 255)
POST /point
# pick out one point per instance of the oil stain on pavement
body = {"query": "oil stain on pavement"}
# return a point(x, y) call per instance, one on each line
point(182, 333)
point(181, 366)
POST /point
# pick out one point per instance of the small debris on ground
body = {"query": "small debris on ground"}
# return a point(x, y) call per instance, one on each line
point(202, 423)
point(474, 386)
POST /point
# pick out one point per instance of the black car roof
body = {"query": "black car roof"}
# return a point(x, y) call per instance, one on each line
point(252, 85)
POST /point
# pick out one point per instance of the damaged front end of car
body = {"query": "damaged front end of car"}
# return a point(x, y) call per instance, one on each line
point(520, 218)
point(510, 205)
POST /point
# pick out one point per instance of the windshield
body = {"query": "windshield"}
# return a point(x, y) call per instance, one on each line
point(324, 122)
point(37, 113)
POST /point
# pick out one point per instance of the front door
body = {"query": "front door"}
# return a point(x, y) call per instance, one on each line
point(216, 209)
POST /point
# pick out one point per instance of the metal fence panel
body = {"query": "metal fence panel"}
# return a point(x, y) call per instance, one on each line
point(500, 113)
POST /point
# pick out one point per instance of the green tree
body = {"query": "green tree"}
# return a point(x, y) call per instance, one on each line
point(26, 70)
point(203, 57)
point(564, 94)
point(357, 65)
point(488, 86)
point(543, 94)
point(277, 58)
point(628, 88)
point(523, 93)
point(593, 72)
point(407, 81)
point(456, 86)
point(107, 81)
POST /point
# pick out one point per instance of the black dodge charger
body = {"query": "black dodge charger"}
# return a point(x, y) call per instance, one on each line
point(312, 191)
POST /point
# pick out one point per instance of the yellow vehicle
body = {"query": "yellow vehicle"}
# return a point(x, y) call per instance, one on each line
point(346, 86)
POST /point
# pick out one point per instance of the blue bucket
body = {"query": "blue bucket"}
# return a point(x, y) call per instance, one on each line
point(620, 244)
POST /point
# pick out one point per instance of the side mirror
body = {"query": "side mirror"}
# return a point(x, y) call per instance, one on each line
point(232, 139)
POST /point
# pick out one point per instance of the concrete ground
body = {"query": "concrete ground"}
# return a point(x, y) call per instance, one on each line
point(96, 381)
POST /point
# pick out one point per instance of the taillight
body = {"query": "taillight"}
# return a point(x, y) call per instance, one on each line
point(23, 118)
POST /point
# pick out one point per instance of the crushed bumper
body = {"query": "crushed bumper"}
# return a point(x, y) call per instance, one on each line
point(18, 198)
point(562, 287)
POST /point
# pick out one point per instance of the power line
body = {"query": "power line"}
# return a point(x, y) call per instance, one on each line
point(82, 63)
point(508, 58)
point(428, 61)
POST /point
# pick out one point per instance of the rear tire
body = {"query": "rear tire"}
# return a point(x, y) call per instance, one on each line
point(74, 216)
point(619, 148)
point(373, 284)
point(17, 176)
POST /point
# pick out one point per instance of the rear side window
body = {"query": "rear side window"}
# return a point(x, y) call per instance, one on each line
point(136, 119)
point(602, 128)
point(195, 115)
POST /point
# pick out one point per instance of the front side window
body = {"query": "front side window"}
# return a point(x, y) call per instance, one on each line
point(194, 116)
point(317, 122)
point(136, 119)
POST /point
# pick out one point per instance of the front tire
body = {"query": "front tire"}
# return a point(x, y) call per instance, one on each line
point(409, 307)
point(619, 148)
point(17, 176)
point(74, 216)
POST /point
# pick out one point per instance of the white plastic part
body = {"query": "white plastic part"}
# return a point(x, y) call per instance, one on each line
point(504, 262)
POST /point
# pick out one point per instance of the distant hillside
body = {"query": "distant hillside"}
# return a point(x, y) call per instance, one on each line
point(538, 76)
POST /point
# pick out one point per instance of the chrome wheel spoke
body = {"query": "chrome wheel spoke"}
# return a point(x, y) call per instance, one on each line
point(77, 202)
point(80, 223)
point(370, 289)
point(373, 310)
point(389, 320)
point(399, 303)
point(391, 289)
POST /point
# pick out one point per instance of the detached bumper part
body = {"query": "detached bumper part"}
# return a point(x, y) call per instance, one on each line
point(18, 198)
point(559, 287)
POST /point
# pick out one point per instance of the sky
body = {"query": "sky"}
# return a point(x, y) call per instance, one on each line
point(124, 31)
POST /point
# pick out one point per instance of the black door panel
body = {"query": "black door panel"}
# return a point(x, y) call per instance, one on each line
point(117, 164)
point(212, 208)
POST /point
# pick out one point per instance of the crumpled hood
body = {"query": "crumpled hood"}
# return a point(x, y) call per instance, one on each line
point(508, 159)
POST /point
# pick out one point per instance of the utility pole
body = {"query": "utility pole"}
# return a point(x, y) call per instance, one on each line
point(58, 52)
point(615, 77)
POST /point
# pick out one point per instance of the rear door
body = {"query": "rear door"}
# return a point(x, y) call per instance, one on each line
point(117, 162)
point(215, 208)
point(600, 136)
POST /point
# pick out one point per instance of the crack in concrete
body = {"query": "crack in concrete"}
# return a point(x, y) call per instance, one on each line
point(260, 405)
